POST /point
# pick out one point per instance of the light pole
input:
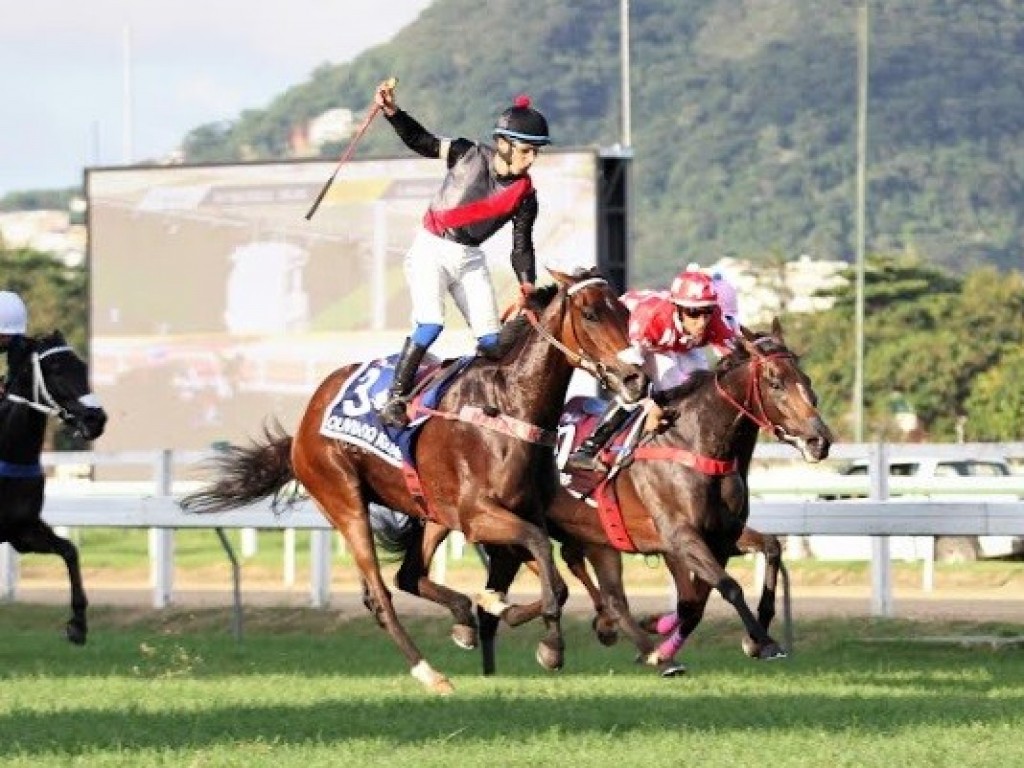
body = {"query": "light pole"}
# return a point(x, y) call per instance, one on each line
point(627, 137)
point(862, 133)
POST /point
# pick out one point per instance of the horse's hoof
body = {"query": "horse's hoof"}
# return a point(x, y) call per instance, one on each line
point(75, 632)
point(432, 680)
point(673, 669)
point(751, 648)
point(649, 624)
point(550, 658)
point(443, 687)
point(607, 636)
point(464, 636)
point(772, 652)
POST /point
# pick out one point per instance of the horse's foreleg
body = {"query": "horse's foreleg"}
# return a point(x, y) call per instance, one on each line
point(496, 525)
point(414, 577)
point(41, 539)
point(698, 557)
point(751, 541)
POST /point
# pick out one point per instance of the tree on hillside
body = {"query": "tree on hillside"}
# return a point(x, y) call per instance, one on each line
point(928, 335)
point(56, 295)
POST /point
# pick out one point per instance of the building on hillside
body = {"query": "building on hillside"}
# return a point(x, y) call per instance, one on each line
point(766, 290)
point(332, 126)
point(46, 231)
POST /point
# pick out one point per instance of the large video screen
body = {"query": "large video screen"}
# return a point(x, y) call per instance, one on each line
point(216, 306)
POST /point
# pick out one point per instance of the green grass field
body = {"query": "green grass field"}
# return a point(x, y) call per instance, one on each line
point(307, 688)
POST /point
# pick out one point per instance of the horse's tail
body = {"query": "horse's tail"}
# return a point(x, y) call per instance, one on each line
point(247, 474)
point(394, 532)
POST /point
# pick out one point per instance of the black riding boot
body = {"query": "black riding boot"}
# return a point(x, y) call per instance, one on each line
point(393, 413)
point(585, 457)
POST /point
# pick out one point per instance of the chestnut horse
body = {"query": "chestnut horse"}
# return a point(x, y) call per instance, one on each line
point(46, 378)
point(483, 477)
point(696, 520)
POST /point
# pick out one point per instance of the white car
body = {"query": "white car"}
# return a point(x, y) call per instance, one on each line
point(948, 548)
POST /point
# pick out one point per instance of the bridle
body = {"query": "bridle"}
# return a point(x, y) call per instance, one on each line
point(40, 398)
point(752, 399)
point(580, 360)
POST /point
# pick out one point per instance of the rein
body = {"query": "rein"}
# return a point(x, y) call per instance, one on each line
point(578, 359)
point(41, 400)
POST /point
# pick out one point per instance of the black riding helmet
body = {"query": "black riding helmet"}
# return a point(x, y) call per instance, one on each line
point(521, 122)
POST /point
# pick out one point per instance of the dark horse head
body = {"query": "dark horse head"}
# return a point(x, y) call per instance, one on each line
point(46, 375)
point(764, 388)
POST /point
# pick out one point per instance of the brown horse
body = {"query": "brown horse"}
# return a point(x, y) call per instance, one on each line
point(481, 476)
point(696, 520)
point(46, 378)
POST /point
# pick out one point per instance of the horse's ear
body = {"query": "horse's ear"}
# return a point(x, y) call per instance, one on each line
point(561, 278)
point(777, 329)
point(746, 333)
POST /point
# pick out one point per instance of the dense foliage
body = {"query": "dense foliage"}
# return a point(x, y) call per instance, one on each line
point(743, 117)
point(949, 348)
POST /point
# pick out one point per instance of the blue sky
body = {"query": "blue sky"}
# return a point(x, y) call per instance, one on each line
point(193, 62)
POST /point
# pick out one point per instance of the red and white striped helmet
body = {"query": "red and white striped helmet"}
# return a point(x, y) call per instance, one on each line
point(692, 288)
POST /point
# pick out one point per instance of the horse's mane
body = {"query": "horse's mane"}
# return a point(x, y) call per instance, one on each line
point(516, 328)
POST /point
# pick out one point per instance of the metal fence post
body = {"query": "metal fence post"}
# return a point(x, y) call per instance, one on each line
point(320, 568)
point(161, 540)
point(881, 563)
point(8, 573)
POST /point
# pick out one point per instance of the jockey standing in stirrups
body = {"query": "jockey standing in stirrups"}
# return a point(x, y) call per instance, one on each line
point(670, 329)
point(485, 188)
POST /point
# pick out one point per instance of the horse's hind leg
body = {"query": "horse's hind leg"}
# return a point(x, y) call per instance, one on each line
point(502, 566)
point(605, 625)
point(607, 563)
point(41, 539)
point(414, 577)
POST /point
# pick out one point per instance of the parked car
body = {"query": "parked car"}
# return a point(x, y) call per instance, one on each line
point(947, 548)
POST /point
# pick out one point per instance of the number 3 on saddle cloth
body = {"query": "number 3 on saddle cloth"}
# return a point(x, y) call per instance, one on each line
point(354, 414)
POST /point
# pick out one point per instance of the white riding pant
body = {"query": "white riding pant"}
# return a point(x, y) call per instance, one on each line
point(435, 266)
point(670, 369)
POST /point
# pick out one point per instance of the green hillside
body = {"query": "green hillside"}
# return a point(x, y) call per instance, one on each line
point(743, 116)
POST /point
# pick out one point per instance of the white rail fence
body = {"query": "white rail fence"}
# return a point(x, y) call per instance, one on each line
point(785, 501)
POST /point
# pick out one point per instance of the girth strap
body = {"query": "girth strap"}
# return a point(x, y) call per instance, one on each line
point(703, 464)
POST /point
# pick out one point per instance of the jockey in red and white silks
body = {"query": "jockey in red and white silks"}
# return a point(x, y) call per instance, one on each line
point(671, 342)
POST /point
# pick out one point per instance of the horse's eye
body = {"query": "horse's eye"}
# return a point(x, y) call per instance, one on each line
point(589, 314)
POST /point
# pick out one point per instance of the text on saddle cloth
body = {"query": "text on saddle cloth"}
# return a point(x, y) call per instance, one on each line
point(354, 414)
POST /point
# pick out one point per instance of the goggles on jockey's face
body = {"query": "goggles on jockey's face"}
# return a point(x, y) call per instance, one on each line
point(697, 311)
point(524, 148)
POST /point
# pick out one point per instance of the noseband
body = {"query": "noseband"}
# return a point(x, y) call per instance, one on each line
point(582, 361)
point(41, 400)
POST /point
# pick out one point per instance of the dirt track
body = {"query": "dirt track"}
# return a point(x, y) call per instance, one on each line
point(997, 604)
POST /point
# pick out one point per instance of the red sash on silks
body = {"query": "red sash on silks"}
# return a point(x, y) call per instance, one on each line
point(501, 204)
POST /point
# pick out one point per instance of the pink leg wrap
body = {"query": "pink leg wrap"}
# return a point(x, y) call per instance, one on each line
point(668, 649)
point(667, 623)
